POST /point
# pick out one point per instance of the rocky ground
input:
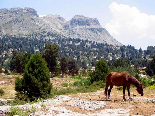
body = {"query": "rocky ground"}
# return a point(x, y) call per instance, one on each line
point(88, 104)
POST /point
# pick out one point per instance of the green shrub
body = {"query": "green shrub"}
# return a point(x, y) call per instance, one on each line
point(66, 84)
point(20, 112)
point(152, 87)
point(18, 102)
point(100, 73)
point(17, 111)
point(99, 84)
point(76, 77)
point(36, 80)
point(1, 92)
point(81, 82)
point(146, 82)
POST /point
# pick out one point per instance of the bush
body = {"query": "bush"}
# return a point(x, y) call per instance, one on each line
point(146, 82)
point(17, 111)
point(20, 112)
point(100, 73)
point(152, 87)
point(1, 92)
point(36, 80)
point(66, 84)
point(81, 81)
point(99, 84)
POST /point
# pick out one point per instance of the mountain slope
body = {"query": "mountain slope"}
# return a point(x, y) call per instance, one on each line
point(26, 21)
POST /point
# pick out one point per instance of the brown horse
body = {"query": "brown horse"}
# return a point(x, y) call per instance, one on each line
point(122, 79)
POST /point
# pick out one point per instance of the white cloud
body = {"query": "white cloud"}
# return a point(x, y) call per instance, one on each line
point(130, 26)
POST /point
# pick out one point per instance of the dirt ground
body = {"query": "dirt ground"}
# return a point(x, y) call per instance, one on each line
point(136, 106)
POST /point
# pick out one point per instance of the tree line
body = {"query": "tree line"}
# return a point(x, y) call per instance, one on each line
point(81, 50)
point(50, 54)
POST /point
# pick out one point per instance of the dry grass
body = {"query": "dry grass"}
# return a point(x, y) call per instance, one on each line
point(7, 84)
point(9, 92)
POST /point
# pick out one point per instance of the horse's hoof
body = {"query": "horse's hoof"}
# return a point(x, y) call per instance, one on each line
point(107, 99)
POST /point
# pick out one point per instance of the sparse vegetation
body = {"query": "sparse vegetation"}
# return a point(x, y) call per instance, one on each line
point(17, 111)
point(79, 89)
point(1, 92)
point(152, 87)
point(20, 112)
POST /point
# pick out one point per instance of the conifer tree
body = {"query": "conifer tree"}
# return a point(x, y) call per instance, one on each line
point(36, 80)
point(64, 65)
point(50, 54)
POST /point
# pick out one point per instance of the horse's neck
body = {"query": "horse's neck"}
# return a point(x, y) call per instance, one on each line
point(134, 81)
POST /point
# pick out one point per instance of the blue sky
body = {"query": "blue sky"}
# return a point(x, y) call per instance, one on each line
point(128, 21)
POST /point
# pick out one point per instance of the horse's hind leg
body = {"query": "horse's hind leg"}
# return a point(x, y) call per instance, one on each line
point(111, 86)
point(124, 87)
point(105, 92)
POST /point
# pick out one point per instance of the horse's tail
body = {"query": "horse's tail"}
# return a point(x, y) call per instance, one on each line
point(108, 78)
point(108, 81)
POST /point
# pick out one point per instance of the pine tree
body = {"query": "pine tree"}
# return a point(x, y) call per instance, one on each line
point(36, 80)
point(73, 67)
point(64, 65)
point(50, 54)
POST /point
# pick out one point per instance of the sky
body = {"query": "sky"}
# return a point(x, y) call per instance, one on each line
point(131, 22)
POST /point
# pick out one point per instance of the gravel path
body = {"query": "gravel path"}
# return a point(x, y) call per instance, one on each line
point(57, 107)
point(51, 107)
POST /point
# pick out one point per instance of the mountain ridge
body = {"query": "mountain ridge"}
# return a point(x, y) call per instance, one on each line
point(25, 21)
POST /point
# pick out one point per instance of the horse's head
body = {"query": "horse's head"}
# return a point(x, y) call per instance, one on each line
point(140, 89)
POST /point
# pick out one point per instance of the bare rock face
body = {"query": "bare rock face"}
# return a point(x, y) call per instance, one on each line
point(25, 21)
point(88, 29)
point(79, 20)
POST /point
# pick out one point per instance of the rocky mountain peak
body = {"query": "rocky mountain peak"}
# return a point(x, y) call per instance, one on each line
point(30, 11)
point(83, 21)
point(25, 21)
point(18, 11)
point(54, 17)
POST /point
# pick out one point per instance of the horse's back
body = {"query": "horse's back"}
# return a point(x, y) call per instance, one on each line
point(116, 78)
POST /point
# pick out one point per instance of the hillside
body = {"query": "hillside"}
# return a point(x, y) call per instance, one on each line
point(81, 50)
point(24, 22)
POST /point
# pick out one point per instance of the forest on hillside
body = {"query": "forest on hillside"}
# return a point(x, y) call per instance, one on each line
point(80, 50)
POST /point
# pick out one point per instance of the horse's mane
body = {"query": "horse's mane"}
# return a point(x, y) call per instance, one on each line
point(132, 78)
point(134, 81)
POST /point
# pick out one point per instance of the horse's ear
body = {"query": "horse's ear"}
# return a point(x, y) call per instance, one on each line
point(140, 85)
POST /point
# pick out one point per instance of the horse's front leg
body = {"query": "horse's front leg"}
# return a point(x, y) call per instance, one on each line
point(124, 87)
point(128, 88)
